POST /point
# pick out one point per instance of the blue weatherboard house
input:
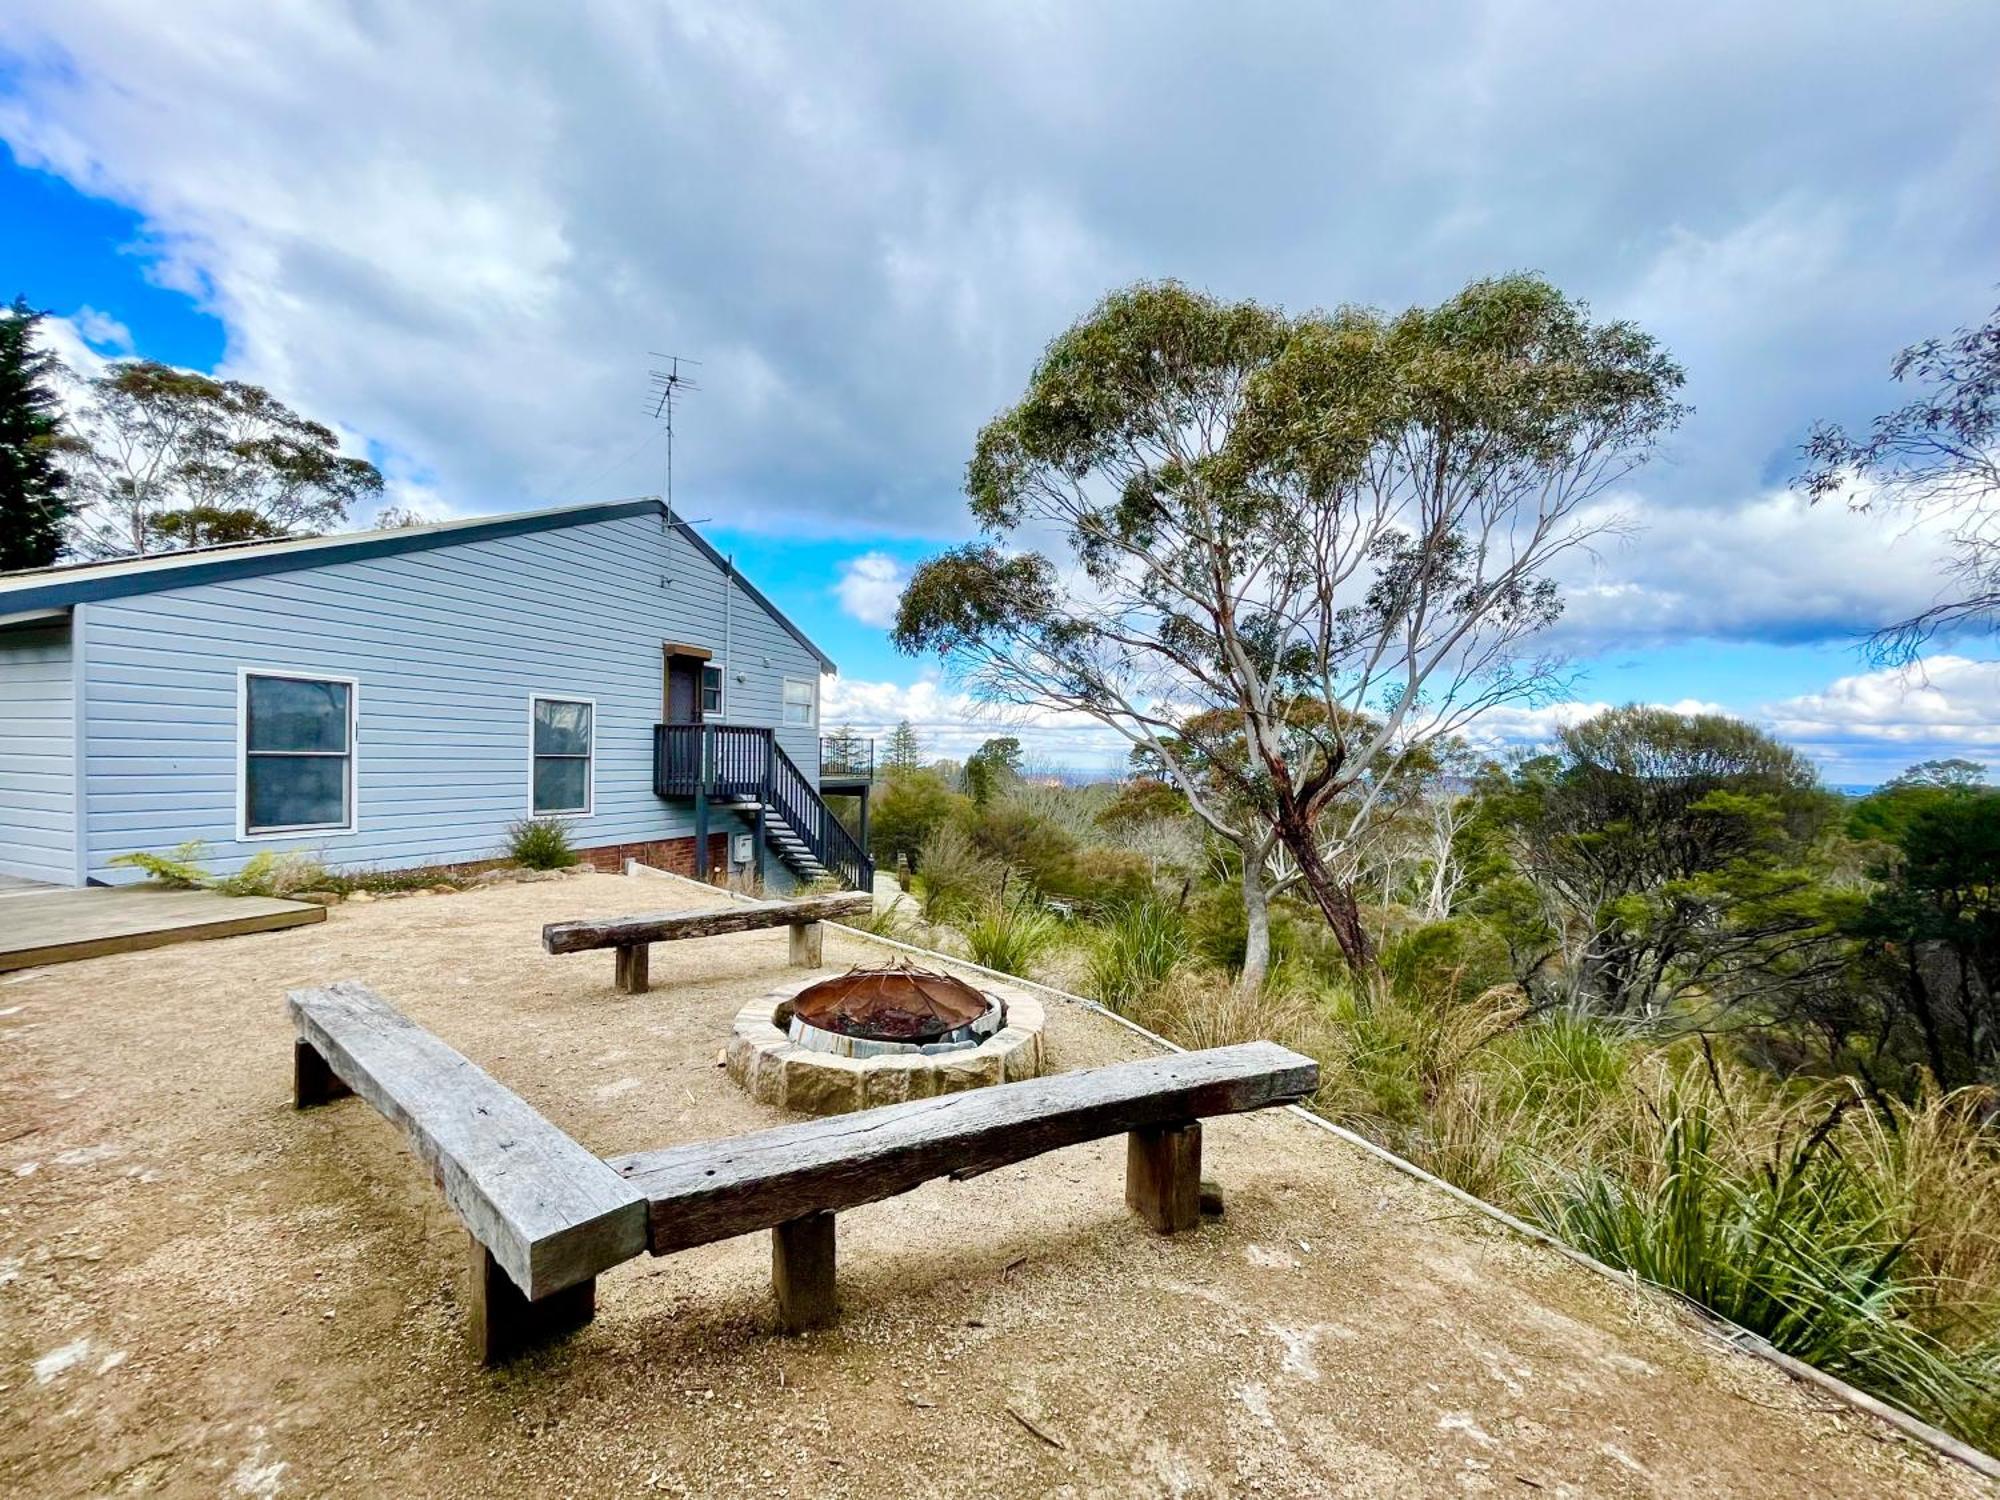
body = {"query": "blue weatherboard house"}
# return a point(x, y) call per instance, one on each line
point(399, 698)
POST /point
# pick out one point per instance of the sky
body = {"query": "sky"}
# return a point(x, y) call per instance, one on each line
point(461, 234)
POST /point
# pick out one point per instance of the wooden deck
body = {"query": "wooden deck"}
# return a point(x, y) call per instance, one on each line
point(55, 926)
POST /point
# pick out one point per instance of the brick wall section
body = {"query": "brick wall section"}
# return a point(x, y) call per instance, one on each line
point(676, 855)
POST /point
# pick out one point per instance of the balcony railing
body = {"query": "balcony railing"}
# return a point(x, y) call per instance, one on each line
point(740, 763)
point(844, 758)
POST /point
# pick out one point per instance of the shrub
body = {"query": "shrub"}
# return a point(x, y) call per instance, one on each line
point(1009, 935)
point(1139, 945)
point(908, 809)
point(1459, 956)
point(269, 873)
point(1098, 878)
point(953, 877)
point(180, 867)
point(540, 844)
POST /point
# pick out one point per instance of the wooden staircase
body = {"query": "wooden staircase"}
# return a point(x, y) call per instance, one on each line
point(743, 769)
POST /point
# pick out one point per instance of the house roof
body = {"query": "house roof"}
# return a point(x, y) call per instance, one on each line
point(42, 590)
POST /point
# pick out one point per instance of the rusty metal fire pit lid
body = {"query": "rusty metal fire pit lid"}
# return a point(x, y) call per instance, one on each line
point(896, 1004)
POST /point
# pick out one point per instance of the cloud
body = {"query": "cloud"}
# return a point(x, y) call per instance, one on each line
point(868, 223)
point(870, 587)
point(953, 724)
point(102, 331)
point(1941, 702)
point(1771, 568)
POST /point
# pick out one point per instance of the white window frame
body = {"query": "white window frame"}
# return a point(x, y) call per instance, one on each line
point(811, 685)
point(590, 760)
point(310, 830)
point(721, 690)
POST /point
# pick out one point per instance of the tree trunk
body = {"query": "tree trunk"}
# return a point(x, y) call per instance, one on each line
point(1256, 925)
point(1335, 898)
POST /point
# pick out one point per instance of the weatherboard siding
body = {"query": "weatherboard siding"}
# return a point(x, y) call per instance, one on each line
point(446, 647)
point(37, 755)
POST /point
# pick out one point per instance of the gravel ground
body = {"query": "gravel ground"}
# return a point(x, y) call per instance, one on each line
point(202, 1291)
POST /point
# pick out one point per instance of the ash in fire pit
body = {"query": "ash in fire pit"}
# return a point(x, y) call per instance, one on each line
point(873, 1012)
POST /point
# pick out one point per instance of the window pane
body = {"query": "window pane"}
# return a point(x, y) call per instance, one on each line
point(561, 728)
point(294, 791)
point(798, 692)
point(286, 714)
point(711, 690)
point(561, 785)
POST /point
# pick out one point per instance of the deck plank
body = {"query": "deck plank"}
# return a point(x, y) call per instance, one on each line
point(62, 926)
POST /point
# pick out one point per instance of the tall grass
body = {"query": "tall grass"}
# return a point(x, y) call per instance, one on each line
point(1139, 944)
point(953, 880)
point(1801, 1245)
point(1009, 935)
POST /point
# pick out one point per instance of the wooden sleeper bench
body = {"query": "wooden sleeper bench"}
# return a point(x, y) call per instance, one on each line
point(630, 937)
point(544, 1214)
point(793, 1179)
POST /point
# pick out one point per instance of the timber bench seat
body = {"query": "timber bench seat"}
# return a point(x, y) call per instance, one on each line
point(630, 937)
point(544, 1214)
point(793, 1179)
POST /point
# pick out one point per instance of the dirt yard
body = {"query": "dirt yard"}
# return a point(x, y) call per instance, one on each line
point(202, 1291)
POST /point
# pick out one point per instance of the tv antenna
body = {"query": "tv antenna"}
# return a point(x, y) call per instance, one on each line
point(666, 387)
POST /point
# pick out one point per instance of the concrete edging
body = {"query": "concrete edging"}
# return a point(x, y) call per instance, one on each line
point(1731, 1335)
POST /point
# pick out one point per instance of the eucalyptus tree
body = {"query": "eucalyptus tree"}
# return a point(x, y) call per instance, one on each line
point(1327, 536)
point(168, 458)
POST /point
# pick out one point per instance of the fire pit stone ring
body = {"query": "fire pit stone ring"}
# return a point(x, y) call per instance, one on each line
point(775, 1069)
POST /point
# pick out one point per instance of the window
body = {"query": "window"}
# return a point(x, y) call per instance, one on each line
point(298, 754)
point(561, 730)
point(798, 701)
point(711, 690)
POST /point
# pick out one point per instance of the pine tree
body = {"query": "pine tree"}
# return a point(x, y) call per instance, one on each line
point(34, 503)
point(905, 751)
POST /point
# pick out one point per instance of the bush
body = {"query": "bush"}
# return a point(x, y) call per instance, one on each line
point(1098, 878)
point(541, 844)
point(1138, 946)
point(1010, 935)
point(1459, 957)
point(269, 873)
point(909, 808)
point(953, 878)
point(180, 867)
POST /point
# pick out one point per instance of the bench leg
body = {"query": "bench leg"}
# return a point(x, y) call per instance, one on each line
point(313, 1082)
point(630, 973)
point(501, 1322)
point(802, 1272)
point(807, 941)
point(1163, 1176)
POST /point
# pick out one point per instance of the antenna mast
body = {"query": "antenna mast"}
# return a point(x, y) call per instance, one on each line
point(666, 386)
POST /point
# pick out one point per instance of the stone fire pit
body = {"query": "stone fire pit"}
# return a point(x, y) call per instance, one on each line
point(828, 1046)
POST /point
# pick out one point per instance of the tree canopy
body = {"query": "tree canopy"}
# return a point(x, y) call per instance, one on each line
point(170, 458)
point(1668, 857)
point(1250, 513)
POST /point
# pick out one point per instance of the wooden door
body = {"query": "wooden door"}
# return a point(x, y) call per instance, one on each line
point(683, 690)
